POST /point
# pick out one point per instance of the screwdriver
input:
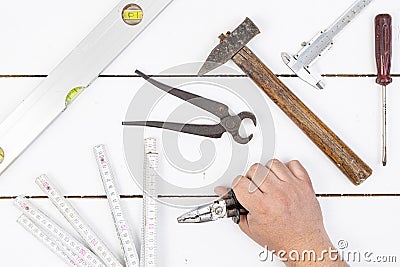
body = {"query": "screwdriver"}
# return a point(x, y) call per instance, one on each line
point(383, 55)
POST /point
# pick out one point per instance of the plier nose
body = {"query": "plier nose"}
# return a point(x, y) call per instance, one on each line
point(226, 207)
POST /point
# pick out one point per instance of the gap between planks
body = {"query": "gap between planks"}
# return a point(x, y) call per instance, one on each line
point(5, 76)
point(200, 196)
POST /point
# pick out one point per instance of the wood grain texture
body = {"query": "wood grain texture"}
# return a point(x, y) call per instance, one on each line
point(329, 143)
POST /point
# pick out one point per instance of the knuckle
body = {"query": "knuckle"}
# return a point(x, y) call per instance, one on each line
point(238, 181)
point(259, 179)
point(253, 169)
point(295, 163)
point(273, 163)
point(303, 176)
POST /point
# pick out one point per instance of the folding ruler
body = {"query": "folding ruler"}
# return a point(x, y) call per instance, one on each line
point(75, 73)
point(149, 231)
point(121, 225)
point(42, 227)
point(300, 63)
point(31, 227)
point(72, 251)
point(68, 211)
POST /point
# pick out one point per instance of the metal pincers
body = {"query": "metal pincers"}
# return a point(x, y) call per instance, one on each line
point(228, 123)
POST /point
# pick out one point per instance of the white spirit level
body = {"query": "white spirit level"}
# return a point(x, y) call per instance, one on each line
point(75, 73)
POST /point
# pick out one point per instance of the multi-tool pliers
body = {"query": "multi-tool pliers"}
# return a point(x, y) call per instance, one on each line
point(226, 207)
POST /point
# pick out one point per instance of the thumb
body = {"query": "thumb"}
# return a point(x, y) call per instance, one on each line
point(220, 190)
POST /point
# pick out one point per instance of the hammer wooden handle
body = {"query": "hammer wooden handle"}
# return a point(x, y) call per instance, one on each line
point(343, 157)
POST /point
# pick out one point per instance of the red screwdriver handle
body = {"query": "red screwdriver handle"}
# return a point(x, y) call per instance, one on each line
point(383, 48)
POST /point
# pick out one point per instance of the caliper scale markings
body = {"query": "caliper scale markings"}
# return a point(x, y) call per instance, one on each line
point(301, 62)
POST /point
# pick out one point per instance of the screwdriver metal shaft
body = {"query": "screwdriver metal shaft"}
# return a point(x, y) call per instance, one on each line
point(383, 55)
point(384, 127)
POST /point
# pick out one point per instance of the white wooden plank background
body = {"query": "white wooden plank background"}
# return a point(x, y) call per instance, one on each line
point(36, 35)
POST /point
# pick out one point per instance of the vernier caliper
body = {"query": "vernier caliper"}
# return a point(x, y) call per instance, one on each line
point(300, 64)
point(75, 73)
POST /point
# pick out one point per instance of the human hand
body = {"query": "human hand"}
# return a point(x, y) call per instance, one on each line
point(284, 213)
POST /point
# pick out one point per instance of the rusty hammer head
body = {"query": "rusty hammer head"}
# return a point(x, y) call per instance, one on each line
point(230, 45)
